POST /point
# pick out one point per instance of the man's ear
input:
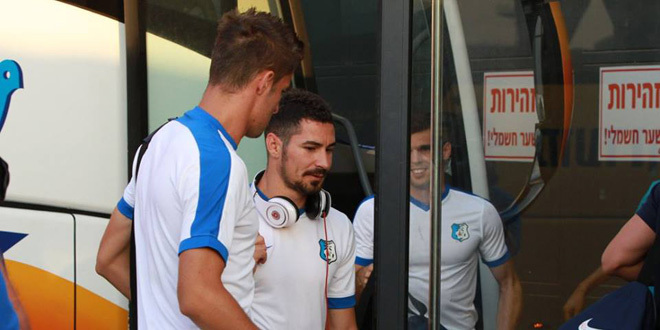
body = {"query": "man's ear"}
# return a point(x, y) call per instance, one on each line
point(446, 151)
point(274, 145)
point(265, 81)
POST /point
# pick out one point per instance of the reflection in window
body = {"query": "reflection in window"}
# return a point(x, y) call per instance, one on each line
point(189, 23)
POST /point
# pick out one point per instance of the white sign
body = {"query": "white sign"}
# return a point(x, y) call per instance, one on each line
point(509, 116)
point(629, 113)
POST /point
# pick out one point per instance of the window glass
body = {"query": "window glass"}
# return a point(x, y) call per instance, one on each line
point(593, 183)
point(112, 8)
point(180, 37)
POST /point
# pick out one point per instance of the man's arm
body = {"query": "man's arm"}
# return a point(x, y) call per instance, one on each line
point(113, 258)
point(624, 256)
point(341, 319)
point(203, 297)
point(575, 303)
point(510, 303)
point(362, 275)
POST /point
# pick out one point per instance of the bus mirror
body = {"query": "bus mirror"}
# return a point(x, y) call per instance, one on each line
point(553, 81)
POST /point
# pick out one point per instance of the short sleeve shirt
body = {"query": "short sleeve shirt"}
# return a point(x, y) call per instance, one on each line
point(191, 192)
point(290, 286)
point(471, 227)
point(649, 207)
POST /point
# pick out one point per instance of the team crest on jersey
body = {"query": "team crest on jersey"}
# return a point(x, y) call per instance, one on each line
point(459, 231)
point(328, 249)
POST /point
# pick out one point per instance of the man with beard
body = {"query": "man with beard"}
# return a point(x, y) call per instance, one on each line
point(471, 227)
point(307, 278)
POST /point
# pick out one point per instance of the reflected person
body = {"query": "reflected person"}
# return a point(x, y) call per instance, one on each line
point(471, 228)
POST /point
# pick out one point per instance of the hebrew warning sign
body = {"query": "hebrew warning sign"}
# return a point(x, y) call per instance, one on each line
point(509, 116)
point(629, 110)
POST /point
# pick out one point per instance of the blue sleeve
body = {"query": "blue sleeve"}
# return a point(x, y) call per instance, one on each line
point(125, 208)
point(205, 193)
point(341, 303)
point(648, 208)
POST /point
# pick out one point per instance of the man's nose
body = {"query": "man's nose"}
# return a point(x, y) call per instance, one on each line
point(414, 155)
point(323, 160)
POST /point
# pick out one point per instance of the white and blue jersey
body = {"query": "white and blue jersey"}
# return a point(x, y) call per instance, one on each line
point(289, 287)
point(471, 227)
point(192, 192)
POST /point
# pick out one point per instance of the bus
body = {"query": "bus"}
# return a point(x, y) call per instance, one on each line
point(553, 107)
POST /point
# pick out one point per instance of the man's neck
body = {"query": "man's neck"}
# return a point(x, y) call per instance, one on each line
point(271, 184)
point(424, 195)
point(232, 110)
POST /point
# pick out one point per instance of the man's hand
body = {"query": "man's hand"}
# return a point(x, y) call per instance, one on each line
point(575, 304)
point(362, 274)
point(260, 254)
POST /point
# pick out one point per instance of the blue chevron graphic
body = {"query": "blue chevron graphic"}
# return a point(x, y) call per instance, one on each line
point(9, 239)
point(11, 79)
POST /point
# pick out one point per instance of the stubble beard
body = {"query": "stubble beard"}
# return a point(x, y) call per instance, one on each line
point(299, 185)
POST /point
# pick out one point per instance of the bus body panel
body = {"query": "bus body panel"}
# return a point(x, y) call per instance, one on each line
point(65, 135)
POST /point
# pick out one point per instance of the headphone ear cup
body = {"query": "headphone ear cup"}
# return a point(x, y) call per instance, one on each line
point(318, 204)
point(325, 202)
point(278, 212)
point(281, 212)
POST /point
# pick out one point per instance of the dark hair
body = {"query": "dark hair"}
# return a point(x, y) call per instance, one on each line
point(296, 105)
point(421, 121)
point(251, 42)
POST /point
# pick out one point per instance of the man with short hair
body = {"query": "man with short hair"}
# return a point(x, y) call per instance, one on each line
point(471, 227)
point(307, 278)
point(195, 224)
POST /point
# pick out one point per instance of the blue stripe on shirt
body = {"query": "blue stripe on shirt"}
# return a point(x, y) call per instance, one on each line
point(339, 303)
point(125, 208)
point(214, 173)
point(363, 261)
point(499, 261)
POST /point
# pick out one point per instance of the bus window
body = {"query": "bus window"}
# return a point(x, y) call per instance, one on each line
point(180, 37)
point(605, 166)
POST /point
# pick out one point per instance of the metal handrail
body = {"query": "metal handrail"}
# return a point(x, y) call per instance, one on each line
point(355, 148)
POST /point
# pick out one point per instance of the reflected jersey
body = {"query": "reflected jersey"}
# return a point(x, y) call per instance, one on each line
point(192, 192)
point(471, 227)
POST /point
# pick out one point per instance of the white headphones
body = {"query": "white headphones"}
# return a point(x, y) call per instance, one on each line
point(281, 212)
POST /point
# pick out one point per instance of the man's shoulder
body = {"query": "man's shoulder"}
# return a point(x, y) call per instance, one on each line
point(367, 204)
point(467, 202)
point(339, 221)
point(459, 196)
point(337, 216)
